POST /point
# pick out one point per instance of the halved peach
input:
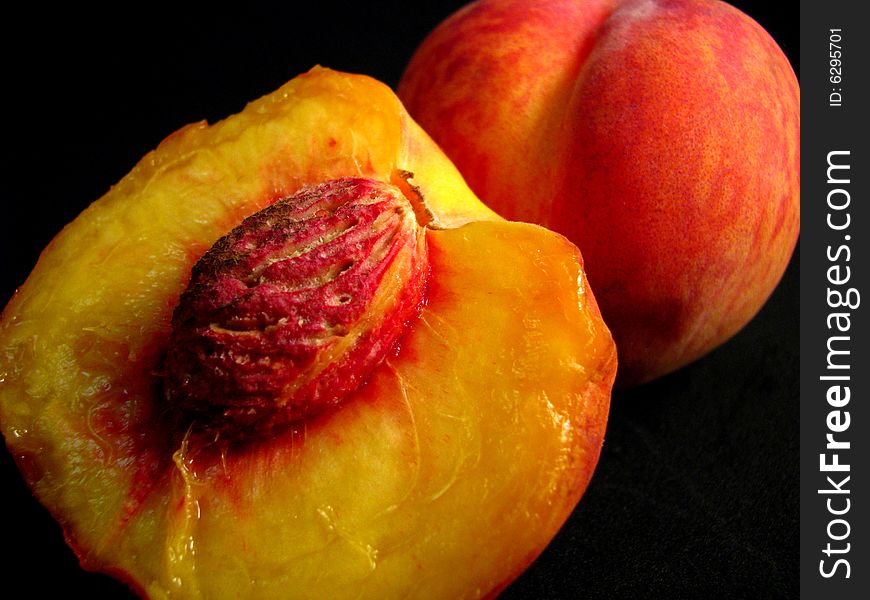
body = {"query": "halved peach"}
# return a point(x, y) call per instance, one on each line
point(443, 473)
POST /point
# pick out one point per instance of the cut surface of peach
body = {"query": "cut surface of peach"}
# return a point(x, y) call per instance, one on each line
point(443, 475)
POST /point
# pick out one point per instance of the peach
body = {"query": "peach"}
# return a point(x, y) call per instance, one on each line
point(660, 136)
point(292, 355)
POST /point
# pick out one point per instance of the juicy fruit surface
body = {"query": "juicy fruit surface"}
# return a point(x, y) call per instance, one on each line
point(483, 426)
point(662, 137)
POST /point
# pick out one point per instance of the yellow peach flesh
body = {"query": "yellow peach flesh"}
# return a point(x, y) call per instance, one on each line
point(484, 427)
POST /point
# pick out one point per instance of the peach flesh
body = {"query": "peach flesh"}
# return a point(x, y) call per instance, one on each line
point(492, 407)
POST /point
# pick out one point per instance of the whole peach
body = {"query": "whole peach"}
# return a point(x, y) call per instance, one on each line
point(661, 136)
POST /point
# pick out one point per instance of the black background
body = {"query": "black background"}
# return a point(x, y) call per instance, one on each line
point(696, 493)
